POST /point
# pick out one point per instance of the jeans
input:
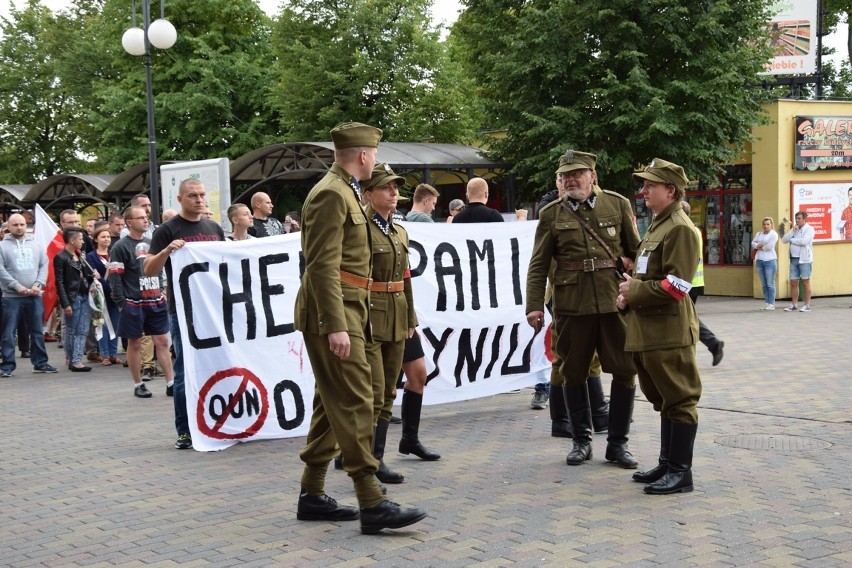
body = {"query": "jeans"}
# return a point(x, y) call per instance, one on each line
point(179, 391)
point(32, 311)
point(766, 269)
point(109, 347)
point(77, 328)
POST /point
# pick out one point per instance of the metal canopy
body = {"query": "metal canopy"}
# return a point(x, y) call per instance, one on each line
point(67, 185)
point(13, 193)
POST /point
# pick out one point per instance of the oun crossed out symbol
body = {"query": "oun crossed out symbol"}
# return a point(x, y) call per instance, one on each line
point(215, 431)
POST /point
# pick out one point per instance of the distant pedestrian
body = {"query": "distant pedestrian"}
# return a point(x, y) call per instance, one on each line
point(801, 240)
point(456, 207)
point(477, 211)
point(766, 261)
point(73, 278)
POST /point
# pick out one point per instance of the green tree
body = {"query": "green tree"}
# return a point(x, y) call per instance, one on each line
point(623, 79)
point(211, 89)
point(38, 112)
point(374, 61)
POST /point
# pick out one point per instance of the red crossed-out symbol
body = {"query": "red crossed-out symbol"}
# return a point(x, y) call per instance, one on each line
point(216, 430)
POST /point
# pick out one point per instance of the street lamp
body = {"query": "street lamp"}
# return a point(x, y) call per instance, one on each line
point(161, 34)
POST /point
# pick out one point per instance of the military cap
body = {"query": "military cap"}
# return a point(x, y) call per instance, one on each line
point(573, 160)
point(352, 134)
point(662, 171)
point(382, 175)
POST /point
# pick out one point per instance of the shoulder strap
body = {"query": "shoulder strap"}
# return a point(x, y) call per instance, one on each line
point(589, 230)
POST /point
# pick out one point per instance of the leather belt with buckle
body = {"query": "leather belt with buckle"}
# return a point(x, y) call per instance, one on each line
point(587, 265)
point(369, 284)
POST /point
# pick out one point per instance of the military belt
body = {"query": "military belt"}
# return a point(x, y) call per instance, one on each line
point(586, 265)
point(355, 280)
point(370, 284)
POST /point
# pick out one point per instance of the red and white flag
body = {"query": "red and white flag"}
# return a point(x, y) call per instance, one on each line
point(49, 236)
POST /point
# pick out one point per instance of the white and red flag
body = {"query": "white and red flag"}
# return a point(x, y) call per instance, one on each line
point(49, 236)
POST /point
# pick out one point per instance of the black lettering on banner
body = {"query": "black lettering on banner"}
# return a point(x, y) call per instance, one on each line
point(524, 367)
point(495, 350)
point(229, 299)
point(183, 283)
point(516, 271)
point(438, 346)
point(281, 388)
point(472, 359)
point(248, 404)
point(453, 269)
point(421, 253)
point(487, 251)
point(268, 290)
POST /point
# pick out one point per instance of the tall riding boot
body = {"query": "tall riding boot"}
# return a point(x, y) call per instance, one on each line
point(678, 479)
point(658, 471)
point(384, 474)
point(560, 422)
point(577, 397)
point(620, 413)
point(412, 403)
point(600, 409)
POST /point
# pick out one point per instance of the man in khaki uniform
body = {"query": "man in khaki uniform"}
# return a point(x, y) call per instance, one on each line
point(332, 312)
point(585, 287)
point(391, 304)
point(662, 326)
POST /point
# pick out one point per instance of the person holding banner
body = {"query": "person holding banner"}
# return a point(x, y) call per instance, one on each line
point(662, 326)
point(332, 312)
point(587, 232)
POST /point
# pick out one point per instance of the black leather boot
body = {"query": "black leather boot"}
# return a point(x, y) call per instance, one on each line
point(323, 508)
point(577, 397)
point(388, 515)
point(600, 408)
point(620, 413)
point(385, 474)
point(560, 422)
point(678, 478)
point(658, 471)
point(412, 403)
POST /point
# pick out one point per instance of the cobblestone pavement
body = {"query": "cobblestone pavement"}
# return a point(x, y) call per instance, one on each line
point(90, 477)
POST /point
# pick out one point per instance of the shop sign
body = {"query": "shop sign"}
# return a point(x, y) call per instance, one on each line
point(823, 143)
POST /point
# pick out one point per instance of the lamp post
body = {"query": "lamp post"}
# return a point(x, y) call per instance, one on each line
point(138, 41)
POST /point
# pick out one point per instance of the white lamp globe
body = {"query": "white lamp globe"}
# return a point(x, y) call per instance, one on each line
point(162, 34)
point(133, 41)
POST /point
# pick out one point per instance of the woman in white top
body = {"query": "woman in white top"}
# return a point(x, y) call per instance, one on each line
point(766, 261)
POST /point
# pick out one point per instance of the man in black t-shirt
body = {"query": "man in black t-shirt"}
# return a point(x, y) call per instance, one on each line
point(265, 225)
point(477, 211)
point(189, 225)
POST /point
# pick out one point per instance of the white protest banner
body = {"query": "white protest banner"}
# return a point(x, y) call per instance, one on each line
point(247, 373)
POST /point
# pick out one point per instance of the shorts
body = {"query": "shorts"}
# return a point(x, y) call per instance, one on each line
point(137, 320)
point(413, 349)
point(799, 271)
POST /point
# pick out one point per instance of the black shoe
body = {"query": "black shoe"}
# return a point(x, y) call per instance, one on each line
point(141, 391)
point(147, 374)
point(618, 453)
point(25, 354)
point(651, 475)
point(388, 515)
point(184, 442)
point(170, 390)
point(387, 475)
point(719, 353)
point(80, 369)
point(408, 446)
point(323, 508)
point(395, 420)
point(579, 454)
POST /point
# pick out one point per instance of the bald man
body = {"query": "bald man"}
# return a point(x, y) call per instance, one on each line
point(264, 224)
point(477, 211)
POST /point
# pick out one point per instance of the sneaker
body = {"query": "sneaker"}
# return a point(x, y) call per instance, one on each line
point(158, 372)
point(805, 308)
point(539, 399)
point(184, 442)
point(45, 369)
point(50, 338)
point(5, 373)
point(147, 374)
point(769, 307)
point(170, 390)
point(791, 309)
point(142, 391)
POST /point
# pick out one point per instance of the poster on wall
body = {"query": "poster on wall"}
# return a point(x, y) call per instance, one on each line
point(829, 208)
point(793, 30)
point(823, 143)
point(214, 173)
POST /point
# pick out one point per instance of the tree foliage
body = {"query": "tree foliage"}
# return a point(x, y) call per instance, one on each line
point(39, 115)
point(374, 61)
point(626, 80)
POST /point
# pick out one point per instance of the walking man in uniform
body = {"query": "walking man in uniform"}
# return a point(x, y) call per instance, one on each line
point(332, 312)
point(588, 233)
point(662, 326)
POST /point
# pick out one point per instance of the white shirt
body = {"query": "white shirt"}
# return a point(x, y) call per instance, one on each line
point(768, 240)
point(801, 243)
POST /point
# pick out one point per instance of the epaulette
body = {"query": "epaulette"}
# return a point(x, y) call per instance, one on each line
point(613, 193)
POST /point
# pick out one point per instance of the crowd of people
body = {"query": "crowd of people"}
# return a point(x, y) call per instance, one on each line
point(619, 304)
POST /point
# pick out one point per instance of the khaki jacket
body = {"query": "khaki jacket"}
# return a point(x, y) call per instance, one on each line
point(391, 313)
point(656, 319)
point(559, 237)
point(334, 238)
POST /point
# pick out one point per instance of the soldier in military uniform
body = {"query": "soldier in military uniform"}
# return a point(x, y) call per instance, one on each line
point(662, 326)
point(585, 286)
point(333, 314)
point(391, 304)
